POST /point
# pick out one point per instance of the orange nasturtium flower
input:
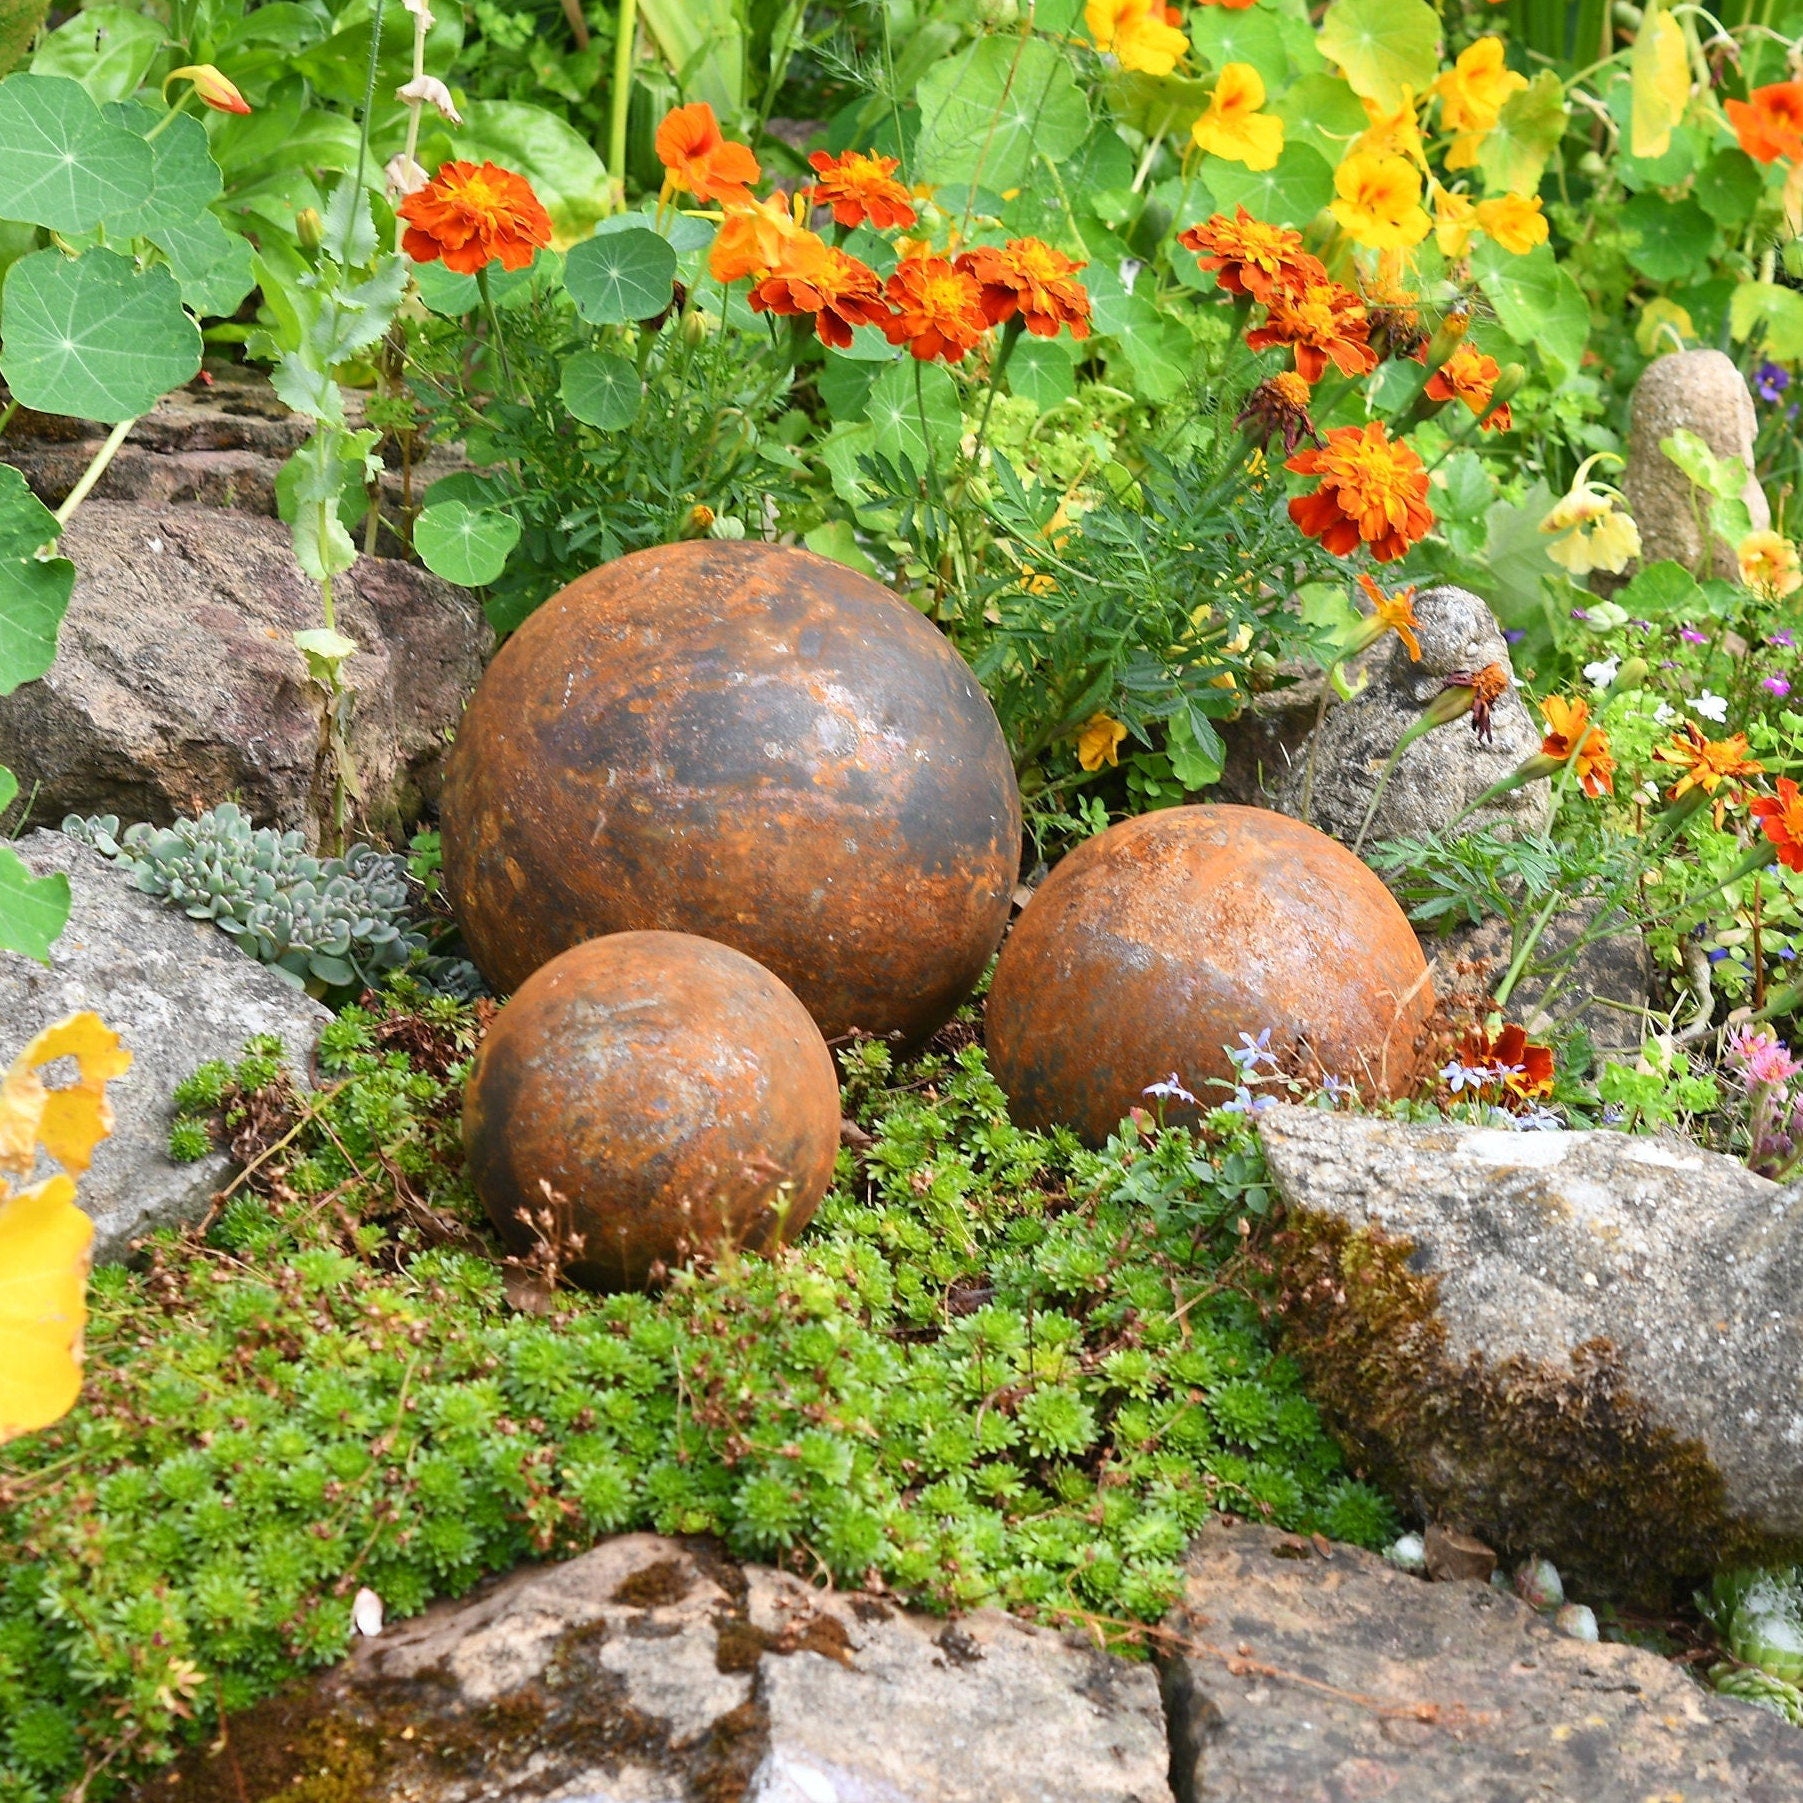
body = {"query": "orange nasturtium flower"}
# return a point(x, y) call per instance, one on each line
point(1769, 123)
point(1373, 491)
point(699, 161)
point(1566, 723)
point(215, 88)
point(861, 188)
point(938, 309)
point(1247, 256)
point(1472, 95)
point(1029, 278)
point(1781, 816)
point(1526, 1068)
point(1718, 767)
point(1099, 741)
point(833, 285)
point(1326, 323)
point(1377, 201)
point(1393, 613)
point(1470, 376)
point(1144, 38)
point(1768, 563)
point(757, 237)
point(1232, 127)
point(469, 214)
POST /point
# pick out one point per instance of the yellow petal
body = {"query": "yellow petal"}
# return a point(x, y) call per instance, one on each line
point(68, 1122)
point(44, 1245)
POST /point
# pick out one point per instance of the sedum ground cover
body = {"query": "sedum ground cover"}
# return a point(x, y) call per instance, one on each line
point(998, 1369)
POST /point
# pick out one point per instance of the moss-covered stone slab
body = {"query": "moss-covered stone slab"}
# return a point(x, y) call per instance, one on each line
point(1585, 1344)
point(1303, 1670)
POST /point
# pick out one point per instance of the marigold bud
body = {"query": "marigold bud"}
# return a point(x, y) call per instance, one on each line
point(309, 228)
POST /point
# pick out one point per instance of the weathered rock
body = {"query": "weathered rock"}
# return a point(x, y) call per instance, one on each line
point(1452, 1556)
point(1337, 1677)
point(177, 684)
point(1588, 1345)
point(178, 992)
point(652, 1671)
point(1442, 772)
point(1705, 393)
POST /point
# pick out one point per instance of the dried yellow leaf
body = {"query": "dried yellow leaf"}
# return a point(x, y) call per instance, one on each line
point(44, 1244)
point(67, 1122)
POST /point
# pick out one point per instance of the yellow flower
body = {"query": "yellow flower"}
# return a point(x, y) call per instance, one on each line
point(1515, 222)
point(1455, 219)
point(1378, 201)
point(1472, 95)
point(1098, 741)
point(1659, 73)
point(1768, 562)
point(1597, 533)
point(1233, 128)
point(1135, 30)
point(1391, 134)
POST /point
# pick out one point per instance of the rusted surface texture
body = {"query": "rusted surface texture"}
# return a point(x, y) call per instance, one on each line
point(1156, 944)
point(670, 1092)
point(753, 744)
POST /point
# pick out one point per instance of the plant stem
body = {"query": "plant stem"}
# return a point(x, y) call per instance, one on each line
point(621, 97)
point(6, 417)
point(94, 471)
point(369, 103)
point(1010, 338)
point(494, 326)
point(163, 124)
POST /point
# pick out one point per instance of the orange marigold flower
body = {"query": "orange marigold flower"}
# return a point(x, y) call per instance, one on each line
point(1030, 278)
point(1469, 376)
point(1393, 613)
point(938, 309)
point(835, 287)
point(757, 237)
point(1718, 767)
point(697, 159)
point(1781, 816)
point(1327, 321)
point(1524, 1069)
point(471, 213)
point(1373, 491)
point(1568, 722)
point(1249, 257)
point(861, 188)
point(1769, 123)
point(1278, 405)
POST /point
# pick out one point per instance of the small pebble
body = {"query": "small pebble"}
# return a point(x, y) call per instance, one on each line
point(1538, 1584)
point(1408, 1553)
point(1576, 1620)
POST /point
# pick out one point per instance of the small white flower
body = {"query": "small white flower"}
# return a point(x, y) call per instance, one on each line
point(1603, 672)
point(403, 176)
point(428, 90)
point(366, 1613)
point(1664, 714)
point(1170, 1089)
point(1710, 706)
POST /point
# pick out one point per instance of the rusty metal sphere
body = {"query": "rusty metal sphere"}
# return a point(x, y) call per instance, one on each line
point(658, 1094)
point(1157, 943)
point(747, 742)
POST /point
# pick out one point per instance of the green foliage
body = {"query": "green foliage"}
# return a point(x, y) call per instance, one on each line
point(1759, 1615)
point(997, 1369)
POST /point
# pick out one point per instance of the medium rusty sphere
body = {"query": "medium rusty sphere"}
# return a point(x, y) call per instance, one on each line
point(747, 742)
point(1156, 944)
point(674, 1095)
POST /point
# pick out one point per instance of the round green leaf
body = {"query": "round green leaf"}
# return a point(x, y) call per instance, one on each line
point(1320, 111)
point(601, 389)
point(1667, 239)
point(1779, 311)
point(683, 232)
point(1383, 46)
point(94, 337)
point(914, 425)
point(1728, 188)
point(845, 384)
point(108, 49)
point(1537, 303)
point(464, 544)
point(1244, 35)
point(34, 592)
point(67, 165)
point(1041, 371)
point(987, 115)
point(1292, 193)
point(621, 276)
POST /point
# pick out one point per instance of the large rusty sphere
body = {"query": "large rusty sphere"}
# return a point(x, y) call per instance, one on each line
point(660, 1095)
point(753, 744)
point(1157, 943)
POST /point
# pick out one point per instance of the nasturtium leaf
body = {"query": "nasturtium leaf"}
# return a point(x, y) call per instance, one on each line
point(446, 292)
point(1291, 193)
point(601, 390)
point(838, 540)
point(1667, 239)
point(1660, 591)
point(94, 337)
point(67, 165)
point(845, 384)
point(33, 909)
point(621, 276)
point(1537, 303)
point(1778, 310)
point(34, 592)
point(988, 114)
point(1320, 111)
point(561, 164)
point(184, 179)
point(1728, 188)
point(1159, 105)
point(1240, 35)
point(108, 49)
point(684, 233)
point(212, 266)
point(1383, 46)
point(1513, 156)
point(464, 544)
point(913, 410)
point(1041, 371)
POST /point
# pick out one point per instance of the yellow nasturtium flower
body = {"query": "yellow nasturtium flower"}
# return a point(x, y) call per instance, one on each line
point(1455, 219)
point(1233, 128)
point(1391, 134)
point(1472, 94)
point(1769, 563)
point(1135, 30)
point(1590, 527)
point(1099, 741)
point(44, 1237)
point(1378, 201)
point(1516, 223)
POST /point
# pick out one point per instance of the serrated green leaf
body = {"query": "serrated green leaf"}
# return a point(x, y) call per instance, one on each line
point(1383, 46)
point(308, 488)
point(33, 909)
point(348, 229)
point(1241, 35)
point(1514, 155)
point(621, 277)
point(108, 49)
point(464, 544)
point(94, 337)
point(67, 165)
point(601, 390)
point(34, 592)
point(988, 114)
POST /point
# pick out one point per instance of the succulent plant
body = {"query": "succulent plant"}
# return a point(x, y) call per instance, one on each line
point(326, 921)
point(1759, 1615)
point(1754, 1686)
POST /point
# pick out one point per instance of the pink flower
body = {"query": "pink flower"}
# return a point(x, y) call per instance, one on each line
point(1691, 636)
point(1778, 685)
point(1764, 1056)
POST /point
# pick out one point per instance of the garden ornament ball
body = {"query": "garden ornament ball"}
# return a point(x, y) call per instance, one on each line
point(1157, 944)
point(657, 1095)
point(751, 743)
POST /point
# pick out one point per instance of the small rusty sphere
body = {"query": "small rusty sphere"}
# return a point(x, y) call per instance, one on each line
point(1157, 943)
point(747, 742)
point(658, 1094)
